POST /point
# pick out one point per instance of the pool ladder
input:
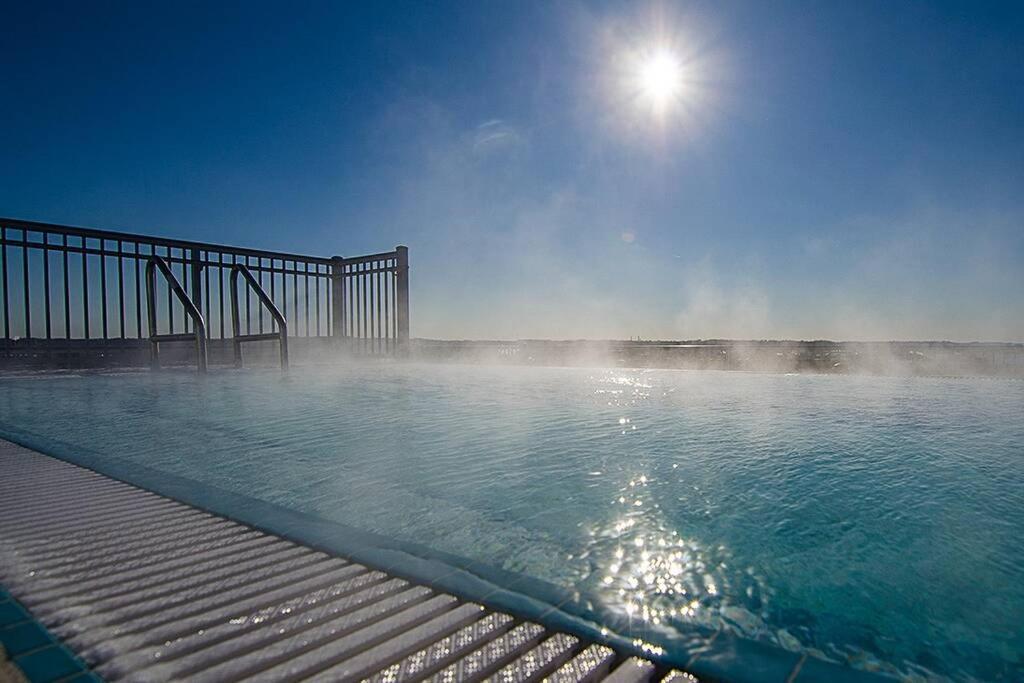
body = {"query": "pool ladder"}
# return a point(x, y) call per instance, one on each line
point(236, 324)
point(198, 335)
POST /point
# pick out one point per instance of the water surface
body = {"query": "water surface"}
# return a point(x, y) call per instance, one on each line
point(877, 522)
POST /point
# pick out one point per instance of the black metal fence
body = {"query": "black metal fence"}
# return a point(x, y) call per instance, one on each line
point(371, 300)
point(80, 284)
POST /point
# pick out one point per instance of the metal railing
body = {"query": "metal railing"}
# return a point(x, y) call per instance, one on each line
point(236, 323)
point(371, 300)
point(197, 335)
point(69, 286)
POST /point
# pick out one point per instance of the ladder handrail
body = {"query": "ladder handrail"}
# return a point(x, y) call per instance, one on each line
point(152, 264)
point(236, 323)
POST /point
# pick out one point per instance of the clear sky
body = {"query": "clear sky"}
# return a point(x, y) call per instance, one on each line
point(845, 170)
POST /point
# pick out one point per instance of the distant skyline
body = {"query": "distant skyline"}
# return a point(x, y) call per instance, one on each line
point(850, 171)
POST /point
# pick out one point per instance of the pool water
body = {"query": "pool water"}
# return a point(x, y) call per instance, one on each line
point(877, 522)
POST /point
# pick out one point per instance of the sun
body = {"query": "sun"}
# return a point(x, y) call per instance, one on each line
point(660, 78)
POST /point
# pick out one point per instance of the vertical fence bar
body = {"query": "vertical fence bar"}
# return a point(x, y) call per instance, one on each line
point(317, 283)
point(273, 284)
point(184, 280)
point(248, 322)
point(3, 265)
point(236, 323)
point(370, 340)
point(259, 305)
point(387, 309)
point(170, 296)
point(329, 309)
point(350, 284)
point(248, 330)
point(25, 280)
point(46, 283)
point(103, 285)
point(138, 292)
point(154, 346)
point(284, 289)
point(377, 278)
point(85, 287)
point(220, 289)
point(305, 295)
point(367, 308)
point(368, 278)
point(402, 300)
point(394, 309)
point(120, 284)
point(206, 287)
point(337, 295)
point(197, 281)
point(67, 291)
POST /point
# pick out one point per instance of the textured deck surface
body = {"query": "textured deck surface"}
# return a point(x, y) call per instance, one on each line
point(145, 588)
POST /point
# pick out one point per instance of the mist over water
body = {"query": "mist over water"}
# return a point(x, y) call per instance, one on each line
point(872, 521)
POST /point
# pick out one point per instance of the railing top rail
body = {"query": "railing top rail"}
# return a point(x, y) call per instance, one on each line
point(94, 233)
point(355, 260)
point(367, 258)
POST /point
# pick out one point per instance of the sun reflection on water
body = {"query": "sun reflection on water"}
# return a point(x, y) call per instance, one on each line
point(639, 562)
point(645, 567)
point(621, 389)
point(648, 571)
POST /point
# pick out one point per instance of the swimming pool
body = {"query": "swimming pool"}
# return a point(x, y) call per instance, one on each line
point(873, 521)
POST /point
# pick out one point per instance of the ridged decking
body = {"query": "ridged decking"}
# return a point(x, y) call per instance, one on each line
point(145, 588)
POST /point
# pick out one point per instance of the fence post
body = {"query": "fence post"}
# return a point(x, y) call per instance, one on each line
point(197, 280)
point(337, 298)
point(402, 297)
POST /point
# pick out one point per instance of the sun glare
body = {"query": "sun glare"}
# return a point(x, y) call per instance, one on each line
point(660, 77)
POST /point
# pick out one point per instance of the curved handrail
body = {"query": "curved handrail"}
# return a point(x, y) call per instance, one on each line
point(236, 323)
point(152, 264)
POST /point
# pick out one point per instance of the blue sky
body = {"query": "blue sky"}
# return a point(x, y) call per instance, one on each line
point(830, 170)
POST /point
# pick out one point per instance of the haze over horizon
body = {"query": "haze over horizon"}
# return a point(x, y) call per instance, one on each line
point(558, 170)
